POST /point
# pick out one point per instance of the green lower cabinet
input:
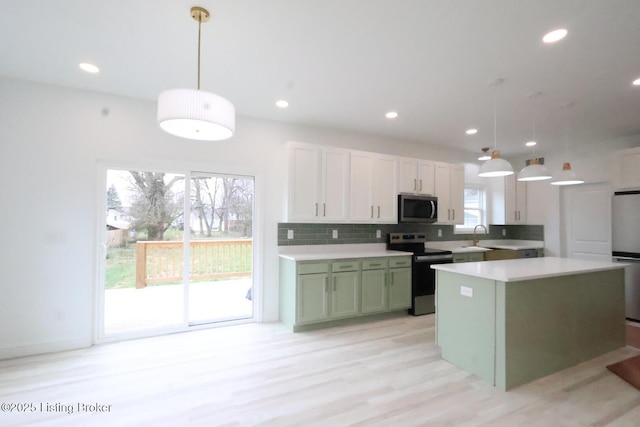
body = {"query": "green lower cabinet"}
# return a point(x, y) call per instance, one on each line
point(330, 291)
point(374, 291)
point(468, 257)
point(399, 288)
point(312, 298)
point(344, 294)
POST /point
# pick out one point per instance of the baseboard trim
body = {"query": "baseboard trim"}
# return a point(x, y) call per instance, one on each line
point(45, 347)
point(350, 321)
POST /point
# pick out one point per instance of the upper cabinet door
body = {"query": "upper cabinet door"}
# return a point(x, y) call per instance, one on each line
point(426, 177)
point(372, 190)
point(385, 193)
point(457, 193)
point(304, 182)
point(449, 188)
point(515, 200)
point(416, 176)
point(626, 169)
point(318, 183)
point(335, 185)
point(361, 185)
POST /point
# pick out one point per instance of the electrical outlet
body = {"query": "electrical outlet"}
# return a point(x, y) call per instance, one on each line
point(439, 232)
point(504, 232)
point(334, 234)
point(378, 234)
point(289, 234)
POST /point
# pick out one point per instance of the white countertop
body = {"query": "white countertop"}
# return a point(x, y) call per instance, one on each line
point(514, 270)
point(465, 246)
point(319, 252)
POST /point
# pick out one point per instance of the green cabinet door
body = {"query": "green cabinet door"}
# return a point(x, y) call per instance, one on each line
point(344, 294)
point(374, 290)
point(312, 298)
point(399, 288)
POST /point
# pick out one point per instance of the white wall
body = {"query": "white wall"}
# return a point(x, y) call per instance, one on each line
point(54, 140)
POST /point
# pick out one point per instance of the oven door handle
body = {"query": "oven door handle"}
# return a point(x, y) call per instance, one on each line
point(427, 258)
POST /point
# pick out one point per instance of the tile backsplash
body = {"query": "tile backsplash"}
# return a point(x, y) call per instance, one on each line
point(322, 234)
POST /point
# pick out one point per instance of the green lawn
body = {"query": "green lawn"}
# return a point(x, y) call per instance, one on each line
point(121, 268)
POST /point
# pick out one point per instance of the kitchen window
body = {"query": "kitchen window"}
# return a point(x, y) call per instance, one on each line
point(474, 208)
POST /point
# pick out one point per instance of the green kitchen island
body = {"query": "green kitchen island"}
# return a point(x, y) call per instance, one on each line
point(513, 321)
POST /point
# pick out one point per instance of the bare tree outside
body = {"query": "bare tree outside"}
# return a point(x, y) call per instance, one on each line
point(223, 204)
point(155, 206)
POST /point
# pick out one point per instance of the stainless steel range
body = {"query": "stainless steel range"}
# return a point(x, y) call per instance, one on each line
point(423, 277)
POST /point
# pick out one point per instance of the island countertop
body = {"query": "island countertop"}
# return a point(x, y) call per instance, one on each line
point(514, 270)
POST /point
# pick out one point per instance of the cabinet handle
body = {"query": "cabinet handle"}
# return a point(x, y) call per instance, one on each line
point(371, 211)
point(324, 209)
point(378, 211)
point(454, 214)
point(316, 209)
point(515, 215)
point(375, 265)
point(448, 214)
point(421, 185)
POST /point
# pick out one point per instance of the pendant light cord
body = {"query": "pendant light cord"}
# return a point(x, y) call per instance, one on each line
point(495, 121)
point(199, 31)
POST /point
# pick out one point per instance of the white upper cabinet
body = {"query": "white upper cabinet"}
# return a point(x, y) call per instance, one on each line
point(372, 188)
point(626, 169)
point(416, 176)
point(318, 183)
point(515, 200)
point(449, 188)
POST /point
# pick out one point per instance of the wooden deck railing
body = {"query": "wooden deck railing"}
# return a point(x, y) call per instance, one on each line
point(158, 262)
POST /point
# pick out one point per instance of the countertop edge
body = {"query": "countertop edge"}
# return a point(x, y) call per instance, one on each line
point(512, 270)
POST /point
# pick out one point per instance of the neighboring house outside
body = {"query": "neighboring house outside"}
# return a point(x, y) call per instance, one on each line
point(117, 228)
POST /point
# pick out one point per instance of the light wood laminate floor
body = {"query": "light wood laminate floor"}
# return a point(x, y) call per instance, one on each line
point(386, 373)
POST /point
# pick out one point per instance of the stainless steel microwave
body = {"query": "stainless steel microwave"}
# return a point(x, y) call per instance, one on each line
point(414, 208)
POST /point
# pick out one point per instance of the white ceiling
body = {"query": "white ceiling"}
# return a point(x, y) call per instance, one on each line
point(344, 63)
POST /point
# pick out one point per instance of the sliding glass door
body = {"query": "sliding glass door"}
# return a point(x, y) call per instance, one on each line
point(172, 261)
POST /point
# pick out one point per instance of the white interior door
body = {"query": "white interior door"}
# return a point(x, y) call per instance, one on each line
point(586, 213)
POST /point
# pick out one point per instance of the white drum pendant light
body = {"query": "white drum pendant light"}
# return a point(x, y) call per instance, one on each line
point(193, 113)
point(496, 166)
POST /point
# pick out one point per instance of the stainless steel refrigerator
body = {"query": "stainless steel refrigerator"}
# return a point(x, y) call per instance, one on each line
point(626, 246)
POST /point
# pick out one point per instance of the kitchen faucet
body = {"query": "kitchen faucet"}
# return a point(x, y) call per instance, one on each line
point(475, 239)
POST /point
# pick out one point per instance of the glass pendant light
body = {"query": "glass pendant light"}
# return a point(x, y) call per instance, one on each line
point(566, 176)
point(496, 166)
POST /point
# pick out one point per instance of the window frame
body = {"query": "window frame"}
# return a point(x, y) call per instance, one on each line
point(460, 228)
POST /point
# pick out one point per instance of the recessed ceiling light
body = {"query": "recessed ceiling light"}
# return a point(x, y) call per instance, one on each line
point(530, 143)
point(89, 68)
point(636, 82)
point(471, 131)
point(555, 35)
point(282, 103)
point(391, 115)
